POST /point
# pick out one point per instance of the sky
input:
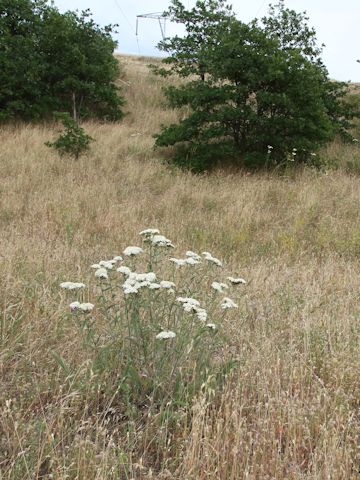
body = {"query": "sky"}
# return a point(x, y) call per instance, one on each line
point(337, 24)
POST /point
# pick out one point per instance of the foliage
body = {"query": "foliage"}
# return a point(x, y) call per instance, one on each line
point(73, 141)
point(55, 62)
point(262, 85)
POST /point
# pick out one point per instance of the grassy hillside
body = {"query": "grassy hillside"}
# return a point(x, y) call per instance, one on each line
point(290, 410)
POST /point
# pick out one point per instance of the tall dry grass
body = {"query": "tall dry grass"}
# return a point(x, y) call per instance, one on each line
point(291, 408)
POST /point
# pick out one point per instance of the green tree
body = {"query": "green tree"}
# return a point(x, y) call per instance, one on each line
point(21, 65)
point(55, 62)
point(264, 96)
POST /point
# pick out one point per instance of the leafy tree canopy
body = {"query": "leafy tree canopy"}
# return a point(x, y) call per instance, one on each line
point(55, 62)
point(257, 93)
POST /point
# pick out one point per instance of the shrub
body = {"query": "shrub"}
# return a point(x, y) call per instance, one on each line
point(153, 345)
point(73, 141)
point(249, 86)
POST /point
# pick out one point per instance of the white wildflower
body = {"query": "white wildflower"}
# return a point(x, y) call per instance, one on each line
point(188, 300)
point(149, 232)
point(146, 277)
point(355, 140)
point(270, 147)
point(108, 264)
point(192, 261)
point(86, 307)
point(74, 305)
point(219, 287)
point(201, 314)
point(313, 154)
point(193, 255)
point(236, 281)
point(212, 326)
point(72, 285)
point(128, 289)
point(165, 335)
point(212, 259)
point(124, 270)
point(154, 286)
point(101, 273)
point(166, 284)
point(228, 303)
point(130, 251)
point(118, 258)
point(95, 265)
point(178, 261)
point(161, 241)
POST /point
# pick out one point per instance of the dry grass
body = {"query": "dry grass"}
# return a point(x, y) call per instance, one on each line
point(291, 409)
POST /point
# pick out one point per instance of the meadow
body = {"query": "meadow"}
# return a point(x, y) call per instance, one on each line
point(290, 407)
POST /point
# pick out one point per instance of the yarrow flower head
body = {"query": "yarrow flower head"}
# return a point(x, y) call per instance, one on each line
point(84, 307)
point(118, 258)
point(212, 259)
point(193, 255)
point(149, 232)
point(219, 287)
point(211, 326)
point(72, 285)
point(108, 264)
point(228, 303)
point(165, 334)
point(178, 261)
point(161, 241)
point(131, 251)
point(192, 261)
point(124, 270)
point(101, 273)
point(166, 284)
point(236, 281)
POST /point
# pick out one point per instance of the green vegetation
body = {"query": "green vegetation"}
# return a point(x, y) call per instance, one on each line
point(256, 93)
point(55, 62)
point(73, 141)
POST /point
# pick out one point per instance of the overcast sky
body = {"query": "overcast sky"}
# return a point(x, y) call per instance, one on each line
point(337, 23)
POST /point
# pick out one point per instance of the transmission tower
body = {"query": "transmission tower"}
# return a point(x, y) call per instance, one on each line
point(160, 17)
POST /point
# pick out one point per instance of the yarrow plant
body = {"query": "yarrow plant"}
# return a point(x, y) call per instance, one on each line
point(155, 325)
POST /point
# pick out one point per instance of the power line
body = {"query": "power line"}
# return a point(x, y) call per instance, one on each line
point(260, 8)
point(123, 14)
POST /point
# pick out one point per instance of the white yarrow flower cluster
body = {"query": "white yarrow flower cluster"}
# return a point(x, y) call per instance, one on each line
point(84, 307)
point(192, 258)
point(72, 285)
point(101, 273)
point(210, 258)
point(236, 281)
point(219, 287)
point(228, 303)
point(161, 241)
point(149, 232)
point(165, 334)
point(132, 251)
point(190, 305)
point(152, 235)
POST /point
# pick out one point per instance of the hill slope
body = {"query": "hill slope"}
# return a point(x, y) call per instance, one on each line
point(289, 411)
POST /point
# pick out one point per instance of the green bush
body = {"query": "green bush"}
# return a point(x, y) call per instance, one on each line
point(250, 86)
point(73, 141)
